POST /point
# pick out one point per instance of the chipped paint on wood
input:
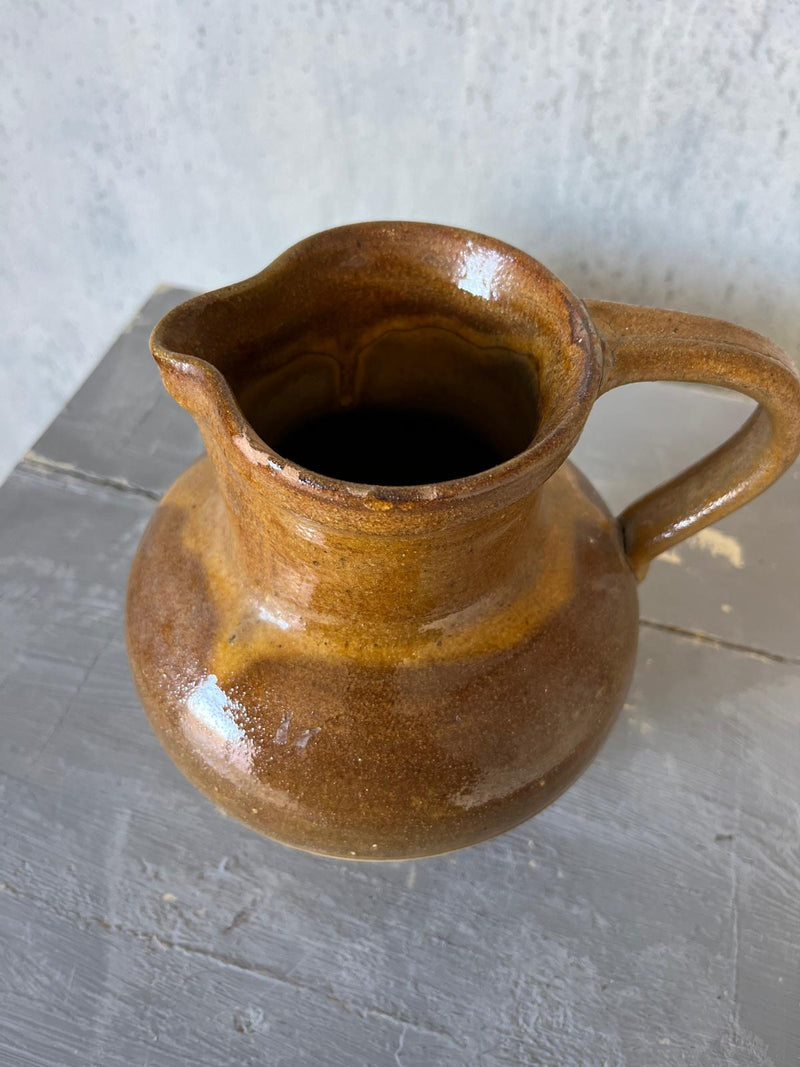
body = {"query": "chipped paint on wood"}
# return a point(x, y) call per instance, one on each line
point(671, 556)
point(720, 545)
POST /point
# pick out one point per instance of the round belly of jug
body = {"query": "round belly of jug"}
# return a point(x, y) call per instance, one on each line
point(362, 757)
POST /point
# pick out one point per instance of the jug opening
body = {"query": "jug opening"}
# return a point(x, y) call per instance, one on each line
point(388, 446)
point(420, 360)
point(412, 407)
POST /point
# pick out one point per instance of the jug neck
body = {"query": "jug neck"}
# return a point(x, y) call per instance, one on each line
point(376, 564)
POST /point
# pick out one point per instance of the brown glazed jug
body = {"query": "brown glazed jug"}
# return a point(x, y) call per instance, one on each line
point(385, 617)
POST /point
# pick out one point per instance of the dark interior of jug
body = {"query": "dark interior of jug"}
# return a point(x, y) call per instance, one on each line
point(412, 406)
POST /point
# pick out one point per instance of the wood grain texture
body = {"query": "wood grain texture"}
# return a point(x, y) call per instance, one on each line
point(652, 915)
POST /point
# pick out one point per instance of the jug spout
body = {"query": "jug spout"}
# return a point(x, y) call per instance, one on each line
point(189, 381)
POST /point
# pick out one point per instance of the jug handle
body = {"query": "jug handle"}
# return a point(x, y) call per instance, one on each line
point(649, 344)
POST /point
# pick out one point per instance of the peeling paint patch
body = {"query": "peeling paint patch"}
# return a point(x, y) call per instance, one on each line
point(719, 544)
point(671, 556)
point(640, 724)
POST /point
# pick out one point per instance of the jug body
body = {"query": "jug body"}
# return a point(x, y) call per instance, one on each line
point(382, 738)
point(384, 617)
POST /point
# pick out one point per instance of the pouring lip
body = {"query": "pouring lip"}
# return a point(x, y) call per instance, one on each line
point(189, 377)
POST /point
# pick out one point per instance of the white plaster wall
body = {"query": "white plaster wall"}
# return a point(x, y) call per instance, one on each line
point(645, 150)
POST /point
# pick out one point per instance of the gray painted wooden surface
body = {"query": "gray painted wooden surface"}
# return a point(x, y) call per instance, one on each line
point(650, 917)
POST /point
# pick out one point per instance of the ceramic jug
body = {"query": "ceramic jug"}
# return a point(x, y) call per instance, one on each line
point(385, 617)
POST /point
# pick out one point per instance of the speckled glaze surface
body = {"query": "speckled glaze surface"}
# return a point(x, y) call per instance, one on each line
point(386, 672)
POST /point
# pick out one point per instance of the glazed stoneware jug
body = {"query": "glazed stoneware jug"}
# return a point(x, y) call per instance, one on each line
point(385, 617)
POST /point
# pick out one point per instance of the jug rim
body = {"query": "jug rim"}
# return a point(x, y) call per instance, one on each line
point(573, 381)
